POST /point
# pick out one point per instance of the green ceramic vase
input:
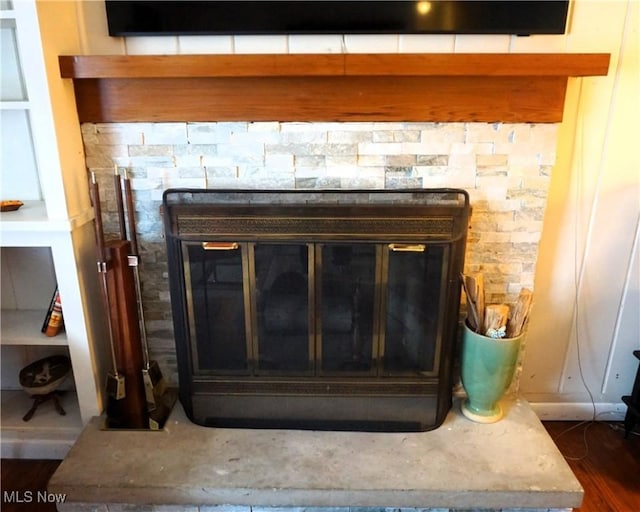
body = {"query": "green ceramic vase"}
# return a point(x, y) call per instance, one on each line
point(487, 369)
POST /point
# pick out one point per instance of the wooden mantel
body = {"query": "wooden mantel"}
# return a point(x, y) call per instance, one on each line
point(327, 87)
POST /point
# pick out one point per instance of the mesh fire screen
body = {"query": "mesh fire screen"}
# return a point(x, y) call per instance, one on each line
point(324, 310)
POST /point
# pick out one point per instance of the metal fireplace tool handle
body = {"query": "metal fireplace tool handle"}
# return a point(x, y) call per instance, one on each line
point(115, 380)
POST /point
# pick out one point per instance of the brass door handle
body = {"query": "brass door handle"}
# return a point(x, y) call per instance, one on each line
point(407, 247)
point(220, 246)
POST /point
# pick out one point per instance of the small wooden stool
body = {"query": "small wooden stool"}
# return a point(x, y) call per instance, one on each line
point(40, 399)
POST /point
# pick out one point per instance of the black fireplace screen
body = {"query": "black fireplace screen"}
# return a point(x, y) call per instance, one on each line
point(334, 310)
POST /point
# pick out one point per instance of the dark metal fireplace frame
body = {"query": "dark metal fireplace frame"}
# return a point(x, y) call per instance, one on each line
point(377, 399)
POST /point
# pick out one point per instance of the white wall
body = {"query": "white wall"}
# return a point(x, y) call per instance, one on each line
point(585, 320)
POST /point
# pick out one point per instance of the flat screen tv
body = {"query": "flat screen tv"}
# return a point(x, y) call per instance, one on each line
point(200, 17)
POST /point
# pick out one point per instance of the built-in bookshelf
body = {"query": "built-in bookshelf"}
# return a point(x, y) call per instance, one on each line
point(47, 242)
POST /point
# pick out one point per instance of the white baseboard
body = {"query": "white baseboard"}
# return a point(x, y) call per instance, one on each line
point(579, 411)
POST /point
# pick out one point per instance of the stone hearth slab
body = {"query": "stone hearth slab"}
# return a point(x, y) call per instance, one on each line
point(509, 464)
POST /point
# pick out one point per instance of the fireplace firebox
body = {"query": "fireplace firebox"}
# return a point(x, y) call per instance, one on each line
point(316, 309)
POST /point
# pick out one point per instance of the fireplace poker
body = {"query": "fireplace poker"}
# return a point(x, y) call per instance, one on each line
point(154, 383)
point(115, 380)
point(120, 207)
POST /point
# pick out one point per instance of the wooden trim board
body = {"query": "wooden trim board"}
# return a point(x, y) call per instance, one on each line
point(367, 87)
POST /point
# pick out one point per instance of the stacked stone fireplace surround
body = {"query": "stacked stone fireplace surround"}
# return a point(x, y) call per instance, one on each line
point(460, 466)
point(506, 169)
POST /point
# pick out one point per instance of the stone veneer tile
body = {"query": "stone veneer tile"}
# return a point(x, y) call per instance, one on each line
point(382, 148)
point(396, 136)
point(467, 148)
point(213, 133)
point(462, 161)
point(344, 136)
point(490, 132)
point(505, 168)
point(451, 132)
point(432, 160)
point(119, 133)
point(326, 182)
point(151, 150)
point(339, 161)
point(195, 149)
point(303, 137)
point(272, 126)
point(148, 161)
point(492, 160)
point(371, 160)
point(165, 133)
point(401, 161)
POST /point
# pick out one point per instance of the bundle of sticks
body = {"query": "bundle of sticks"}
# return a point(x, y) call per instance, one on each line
point(494, 320)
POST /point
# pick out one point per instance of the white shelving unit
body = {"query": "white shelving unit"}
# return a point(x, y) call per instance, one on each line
point(48, 241)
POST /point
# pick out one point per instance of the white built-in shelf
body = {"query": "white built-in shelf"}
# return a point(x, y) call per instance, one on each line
point(15, 403)
point(19, 227)
point(44, 242)
point(31, 217)
point(46, 435)
point(22, 327)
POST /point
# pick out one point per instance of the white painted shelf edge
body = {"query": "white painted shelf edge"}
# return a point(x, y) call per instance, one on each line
point(22, 327)
point(32, 218)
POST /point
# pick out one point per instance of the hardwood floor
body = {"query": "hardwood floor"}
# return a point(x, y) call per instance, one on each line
point(608, 467)
point(22, 479)
point(606, 464)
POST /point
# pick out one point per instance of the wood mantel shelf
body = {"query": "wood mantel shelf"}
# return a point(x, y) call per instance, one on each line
point(326, 87)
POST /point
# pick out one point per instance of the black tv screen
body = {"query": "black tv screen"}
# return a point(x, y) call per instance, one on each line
point(200, 17)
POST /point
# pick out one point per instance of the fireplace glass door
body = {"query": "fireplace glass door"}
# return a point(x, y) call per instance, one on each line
point(347, 303)
point(281, 323)
point(414, 281)
point(215, 298)
point(314, 309)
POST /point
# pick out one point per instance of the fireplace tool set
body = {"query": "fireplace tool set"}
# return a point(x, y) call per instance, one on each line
point(137, 397)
